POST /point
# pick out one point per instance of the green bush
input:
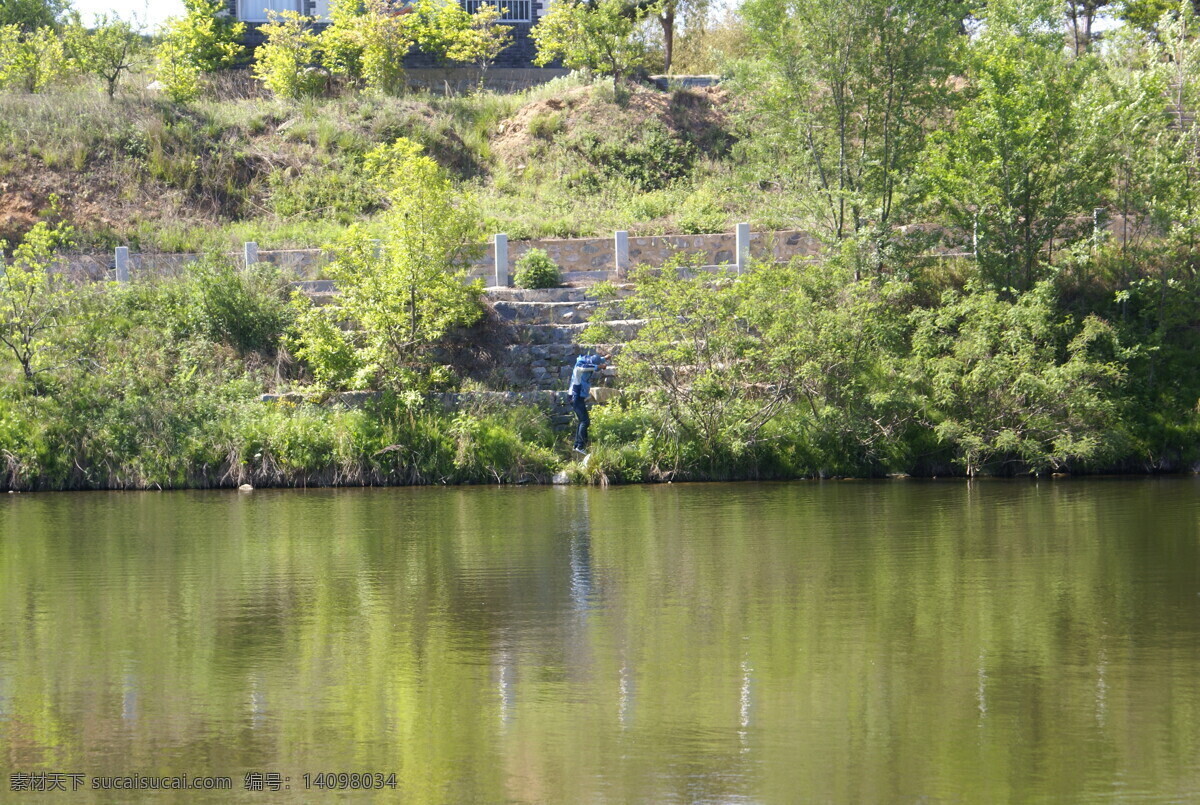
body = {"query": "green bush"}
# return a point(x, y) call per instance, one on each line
point(535, 269)
point(246, 309)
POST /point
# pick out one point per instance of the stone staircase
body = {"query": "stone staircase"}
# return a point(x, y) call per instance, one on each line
point(540, 330)
point(547, 325)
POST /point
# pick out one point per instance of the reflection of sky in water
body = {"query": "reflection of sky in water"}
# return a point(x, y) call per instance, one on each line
point(129, 698)
point(505, 687)
point(581, 559)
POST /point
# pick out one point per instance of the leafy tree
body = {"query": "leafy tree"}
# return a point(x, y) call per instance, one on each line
point(30, 61)
point(1082, 14)
point(34, 301)
point(482, 39)
point(341, 41)
point(707, 44)
point(436, 25)
point(204, 40)
point(668, 13)
point(1145, 14)
point(284, 62)
point(1154, 92)
point(1179, 57)
point(851, 89)
point(174, 70)
point(386, 38)
point(720, 358)
point(1028, 151)
point(366, 42)
point(403, 294)
point(112, 47)
point(601, 36)
point(1011, 384)
point(29, 15)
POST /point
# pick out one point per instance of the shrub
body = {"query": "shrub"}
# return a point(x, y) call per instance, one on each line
point(30, 62)
point(285, 62)
point(535, 269)
point(245, 309)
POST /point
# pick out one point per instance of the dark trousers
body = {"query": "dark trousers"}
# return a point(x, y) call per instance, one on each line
point(579, 406)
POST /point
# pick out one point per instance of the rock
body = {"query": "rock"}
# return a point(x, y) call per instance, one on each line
point(245, 488)
point(560, 478)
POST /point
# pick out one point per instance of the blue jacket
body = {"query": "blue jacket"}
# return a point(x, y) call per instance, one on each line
point(581, 377)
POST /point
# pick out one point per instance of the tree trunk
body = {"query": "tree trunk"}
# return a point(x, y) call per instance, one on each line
point(667, 18)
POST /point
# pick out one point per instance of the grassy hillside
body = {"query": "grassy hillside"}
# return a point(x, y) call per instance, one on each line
point(566, 159)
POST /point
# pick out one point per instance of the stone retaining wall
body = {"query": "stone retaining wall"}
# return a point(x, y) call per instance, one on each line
point(573, 255)
point(585, 258)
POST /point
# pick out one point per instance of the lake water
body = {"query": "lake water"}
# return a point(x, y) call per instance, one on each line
point(808, 642)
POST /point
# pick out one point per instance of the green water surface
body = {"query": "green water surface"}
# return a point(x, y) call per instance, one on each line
point(806, 642)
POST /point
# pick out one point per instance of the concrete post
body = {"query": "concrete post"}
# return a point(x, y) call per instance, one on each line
point(621, 250)
point(122, 264)
point(743, 247)
point(975, 237)
point(501, 261)
point(251, 253)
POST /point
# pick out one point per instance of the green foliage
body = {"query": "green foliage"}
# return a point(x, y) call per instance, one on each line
point(1012, 385)
point(34, 302)
point(700, 213)
point(30, 15)
point(649, 159)
point(405, 293)
point(285, 61)
point(722, 356)
point(31, 61)
point(179, 76)
point(437, 25)
point(1147, 14)
point(109, 49)
point(204, 40)
point(385, 41)
point(601, 36)
point(1028, 149)
point(325, 347)
point(840, 98)
point(245, 308)
point(482, 39)
point(535, 269)
point(545, 125)
point(507, 447)
point(341, 42)
point(330, 194)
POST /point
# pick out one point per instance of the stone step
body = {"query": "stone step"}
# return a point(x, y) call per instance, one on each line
point(544, 312)
point(570, 333)
point(563, 353)
point(315, 286)
point(565, 293)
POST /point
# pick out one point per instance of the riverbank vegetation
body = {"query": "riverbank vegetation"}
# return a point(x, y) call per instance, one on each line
point(1009, 285)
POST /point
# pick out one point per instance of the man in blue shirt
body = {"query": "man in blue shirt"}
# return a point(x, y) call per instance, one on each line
point(581, 386)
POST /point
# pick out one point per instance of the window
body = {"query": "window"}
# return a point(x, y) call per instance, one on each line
point(257, 10)
point(514, 10)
